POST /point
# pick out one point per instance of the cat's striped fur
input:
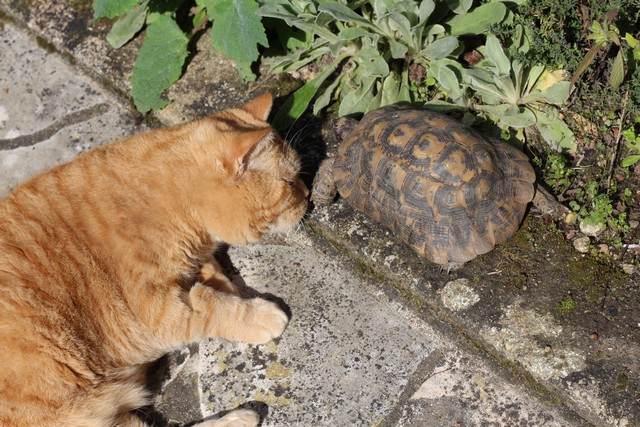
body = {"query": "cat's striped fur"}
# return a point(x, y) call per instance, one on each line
point(100, 259)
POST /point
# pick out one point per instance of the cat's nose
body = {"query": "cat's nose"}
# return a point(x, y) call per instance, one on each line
point(302, 187)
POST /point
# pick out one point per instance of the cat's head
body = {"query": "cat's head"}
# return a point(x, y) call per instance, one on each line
point(260, 173)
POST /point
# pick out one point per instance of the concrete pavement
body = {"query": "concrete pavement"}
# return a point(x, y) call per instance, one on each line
point(377, 337)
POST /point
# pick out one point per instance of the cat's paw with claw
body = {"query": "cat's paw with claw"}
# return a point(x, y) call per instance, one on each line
point(267, 321)
point(237, 418)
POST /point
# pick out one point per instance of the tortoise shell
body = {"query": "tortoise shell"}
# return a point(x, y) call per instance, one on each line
point(445, 189)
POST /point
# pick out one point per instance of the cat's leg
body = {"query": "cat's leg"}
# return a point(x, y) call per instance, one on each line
point(237, 418)
point(211, 275)
point(218, 314)
point(130, 420)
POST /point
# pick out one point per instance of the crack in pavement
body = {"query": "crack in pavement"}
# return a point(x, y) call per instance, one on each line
point(70, 119)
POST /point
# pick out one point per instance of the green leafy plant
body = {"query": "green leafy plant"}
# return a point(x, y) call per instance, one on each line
point(509, 92)
point(604, 34)
point(567, 306)
point(557, 172)
point(375, 44)
point(236, 32)
point(595, 208)
point(632, 141)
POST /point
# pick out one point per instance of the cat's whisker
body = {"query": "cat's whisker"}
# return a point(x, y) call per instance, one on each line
point(292, 128)
point(301, 133)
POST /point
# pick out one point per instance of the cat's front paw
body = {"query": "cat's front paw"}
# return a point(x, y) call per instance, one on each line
point(267, 321)
point(237, 418)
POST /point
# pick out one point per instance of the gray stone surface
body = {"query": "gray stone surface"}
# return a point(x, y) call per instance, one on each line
point(49, 113)
point(350, 356)
point(344, 359)
point(511, 297)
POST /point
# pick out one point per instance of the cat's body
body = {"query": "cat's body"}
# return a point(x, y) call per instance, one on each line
point(101, 263)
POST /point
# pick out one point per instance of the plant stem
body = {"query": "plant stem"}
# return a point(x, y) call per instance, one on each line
point(618, 138)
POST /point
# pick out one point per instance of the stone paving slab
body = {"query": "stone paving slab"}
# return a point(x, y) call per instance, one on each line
point(50, 92)
point(48, 112)
point(507, 303)
point(350, 357)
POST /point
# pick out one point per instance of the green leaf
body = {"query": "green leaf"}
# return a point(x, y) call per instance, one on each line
point(586, 61)
point(127, 26)
point(510, 115)
point(496, 54)
point(517, 117)
point(162, 7)
point(478, 20)
point(434, 30)
point(400, 25)
point(555, 132)
point(350, 33)
point(371, 62)
point(111, 8)
point(390, 89)
point(159, 63)
point(449, 82)
point(298, 101)
point(520, 40)
point(397, 49)
point(236, 32)
point(629, 134)
point(555, 95)
point(481, 80)
point(630, 160)
point(533, 75)
point(517, 73)
point(293, 39)
point(404, 94)
point(342, 13)
point(199, 18)
point(325, 97)
point(440, 106)
point(425, 10)
point(460, 7)
point(440, 48)
point(277, 11)
point(631, 41)
point(598, 34)
point(617, 71)
point(358, 101)
point(296, 59)
point(506, 86)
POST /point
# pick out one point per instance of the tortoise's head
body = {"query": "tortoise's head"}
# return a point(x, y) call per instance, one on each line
point(343, 127)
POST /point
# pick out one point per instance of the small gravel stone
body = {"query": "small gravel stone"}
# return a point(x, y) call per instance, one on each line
point(629, 268)
point(581, 244)
point(458, 295)
point(591, 229)
point(571, 217)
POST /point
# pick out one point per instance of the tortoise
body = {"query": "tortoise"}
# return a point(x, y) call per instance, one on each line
point(448, 191)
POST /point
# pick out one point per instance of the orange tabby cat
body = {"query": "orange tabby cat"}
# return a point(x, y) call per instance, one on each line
point(100, 260)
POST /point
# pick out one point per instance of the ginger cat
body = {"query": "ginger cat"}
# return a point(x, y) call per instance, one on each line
point(106, 264)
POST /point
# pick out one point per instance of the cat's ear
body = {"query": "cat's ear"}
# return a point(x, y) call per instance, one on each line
point(237, 153)
point(259, 107)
